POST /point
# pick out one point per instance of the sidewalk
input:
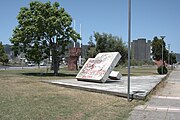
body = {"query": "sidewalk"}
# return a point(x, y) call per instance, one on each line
point(165, 105)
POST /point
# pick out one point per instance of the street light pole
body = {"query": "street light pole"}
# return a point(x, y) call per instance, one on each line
point(168, 53)
point(171, 60)
point(129, 42)
point(162, 59)
point(74, 30)
point(80, 47)
point(162, 37)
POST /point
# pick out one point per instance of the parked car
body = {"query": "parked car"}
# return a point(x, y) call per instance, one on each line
point(31, 64)
point(42, 64)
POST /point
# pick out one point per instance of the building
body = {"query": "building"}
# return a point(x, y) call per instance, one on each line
point(141, 50)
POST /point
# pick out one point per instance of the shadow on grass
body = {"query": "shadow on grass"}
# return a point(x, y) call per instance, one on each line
point(50, 74)
point(126, 74)
point(139, 74)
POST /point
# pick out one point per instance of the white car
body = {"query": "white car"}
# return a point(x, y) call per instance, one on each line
point(42, 64)
point(31, 64)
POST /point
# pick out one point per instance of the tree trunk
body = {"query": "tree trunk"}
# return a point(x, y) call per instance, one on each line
point(55, 62)
point(55, 65)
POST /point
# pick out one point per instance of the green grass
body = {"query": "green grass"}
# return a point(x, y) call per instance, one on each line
point(138, 71)
point(23, 96)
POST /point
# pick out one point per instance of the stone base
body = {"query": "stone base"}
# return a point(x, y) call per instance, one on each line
point(115, 75)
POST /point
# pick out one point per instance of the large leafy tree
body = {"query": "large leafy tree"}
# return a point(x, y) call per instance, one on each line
point(108, 43)
point(3, 56)
point(43, 28)
point(157, 45)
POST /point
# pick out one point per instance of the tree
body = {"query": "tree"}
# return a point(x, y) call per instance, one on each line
point(92, 52)
point(5, 59)
point(108, 43)
point(91, 48)
point(157, 45)
point(43, 28)
point(37, 53)
point(91, 43)
point(3, 56)
point(162, 70)
point(1, 50)
point(172, 58)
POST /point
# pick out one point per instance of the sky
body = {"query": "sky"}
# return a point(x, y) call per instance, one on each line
point(149, 18)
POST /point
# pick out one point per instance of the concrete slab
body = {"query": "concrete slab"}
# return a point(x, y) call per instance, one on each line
point(140, 85)
point(100, 67)
point(115, 75)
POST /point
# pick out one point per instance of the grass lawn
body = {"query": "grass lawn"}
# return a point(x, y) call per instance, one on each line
point(138, 70)
point(23, 96)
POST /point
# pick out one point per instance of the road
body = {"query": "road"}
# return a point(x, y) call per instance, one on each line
point(19, 68)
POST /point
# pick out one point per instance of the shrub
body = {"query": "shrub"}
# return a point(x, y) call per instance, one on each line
point(165, 70)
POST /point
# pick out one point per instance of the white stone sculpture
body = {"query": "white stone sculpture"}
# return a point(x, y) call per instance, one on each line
point(100, 67)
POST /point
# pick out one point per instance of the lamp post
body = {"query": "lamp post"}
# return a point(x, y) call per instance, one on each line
point(129, 42)
point(171, 60)
point(168, 53)
point(74, 30)
point(80, 47)
point(162, 37)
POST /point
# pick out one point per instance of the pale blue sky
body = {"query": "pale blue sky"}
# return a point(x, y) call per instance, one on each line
point(149, 18)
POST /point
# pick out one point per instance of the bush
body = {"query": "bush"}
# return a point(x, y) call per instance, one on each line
point(165, 70)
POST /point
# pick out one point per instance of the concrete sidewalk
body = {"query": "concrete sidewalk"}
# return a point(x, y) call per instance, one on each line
point(141, 86)
point(165, 105)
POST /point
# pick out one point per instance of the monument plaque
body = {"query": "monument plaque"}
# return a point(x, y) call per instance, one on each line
point(100, 67)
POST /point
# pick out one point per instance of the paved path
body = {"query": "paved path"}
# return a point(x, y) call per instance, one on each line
point(140, 85)
point(165, 105)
